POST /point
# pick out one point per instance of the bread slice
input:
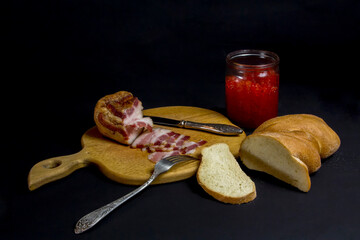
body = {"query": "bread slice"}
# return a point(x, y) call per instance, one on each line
point(301, 146)
point(266, 153)
point(220, 175)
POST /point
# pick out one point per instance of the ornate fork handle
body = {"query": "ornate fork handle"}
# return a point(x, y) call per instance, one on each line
point(95, 216)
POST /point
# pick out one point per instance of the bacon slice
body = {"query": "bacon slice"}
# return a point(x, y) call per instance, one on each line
point(187, 148)
point(155, 137)
point(157, 156)
point(162, 143)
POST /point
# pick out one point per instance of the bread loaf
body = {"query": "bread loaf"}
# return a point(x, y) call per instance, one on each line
point(220, 175)
point(290, 148)
point(328, 140)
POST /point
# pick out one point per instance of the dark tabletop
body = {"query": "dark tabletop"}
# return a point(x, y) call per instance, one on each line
point(66, 55)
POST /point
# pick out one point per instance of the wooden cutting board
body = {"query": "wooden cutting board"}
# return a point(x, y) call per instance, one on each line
point(131, 166)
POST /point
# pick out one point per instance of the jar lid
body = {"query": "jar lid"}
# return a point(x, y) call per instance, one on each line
point(249, 58)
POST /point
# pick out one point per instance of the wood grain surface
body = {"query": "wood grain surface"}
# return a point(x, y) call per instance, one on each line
point(131, 166)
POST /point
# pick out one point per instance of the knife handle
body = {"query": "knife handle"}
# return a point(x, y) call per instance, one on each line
point(223, 129)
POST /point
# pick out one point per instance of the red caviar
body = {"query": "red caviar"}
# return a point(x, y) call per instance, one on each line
point(252, 88)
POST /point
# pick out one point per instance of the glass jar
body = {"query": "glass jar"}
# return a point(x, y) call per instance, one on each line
point(251, 87)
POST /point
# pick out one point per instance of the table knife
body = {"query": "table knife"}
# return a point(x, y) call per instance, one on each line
point(222, 129)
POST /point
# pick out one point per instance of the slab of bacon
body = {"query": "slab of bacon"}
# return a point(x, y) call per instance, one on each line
point(119, 117)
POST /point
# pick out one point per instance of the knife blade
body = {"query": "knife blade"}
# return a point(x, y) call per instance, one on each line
point(223, 129)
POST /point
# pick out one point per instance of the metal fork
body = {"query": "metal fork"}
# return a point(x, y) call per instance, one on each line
point(89, 220)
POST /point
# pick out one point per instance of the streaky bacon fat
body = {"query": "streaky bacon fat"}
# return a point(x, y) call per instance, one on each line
point(162, 143)
point(119, 117)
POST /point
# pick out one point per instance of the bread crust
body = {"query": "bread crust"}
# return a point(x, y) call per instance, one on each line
point(327, 139)
point(227, 199)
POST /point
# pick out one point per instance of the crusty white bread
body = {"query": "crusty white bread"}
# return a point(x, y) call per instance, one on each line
point(221, 176)
point(290, 148)
point(328, 140)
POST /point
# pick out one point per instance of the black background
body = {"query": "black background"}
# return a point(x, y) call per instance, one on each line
point(62, 56)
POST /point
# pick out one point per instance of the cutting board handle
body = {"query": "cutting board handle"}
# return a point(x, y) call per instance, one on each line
point(55, 168)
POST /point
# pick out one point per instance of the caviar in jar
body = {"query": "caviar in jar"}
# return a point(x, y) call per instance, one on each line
point(251, 87)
